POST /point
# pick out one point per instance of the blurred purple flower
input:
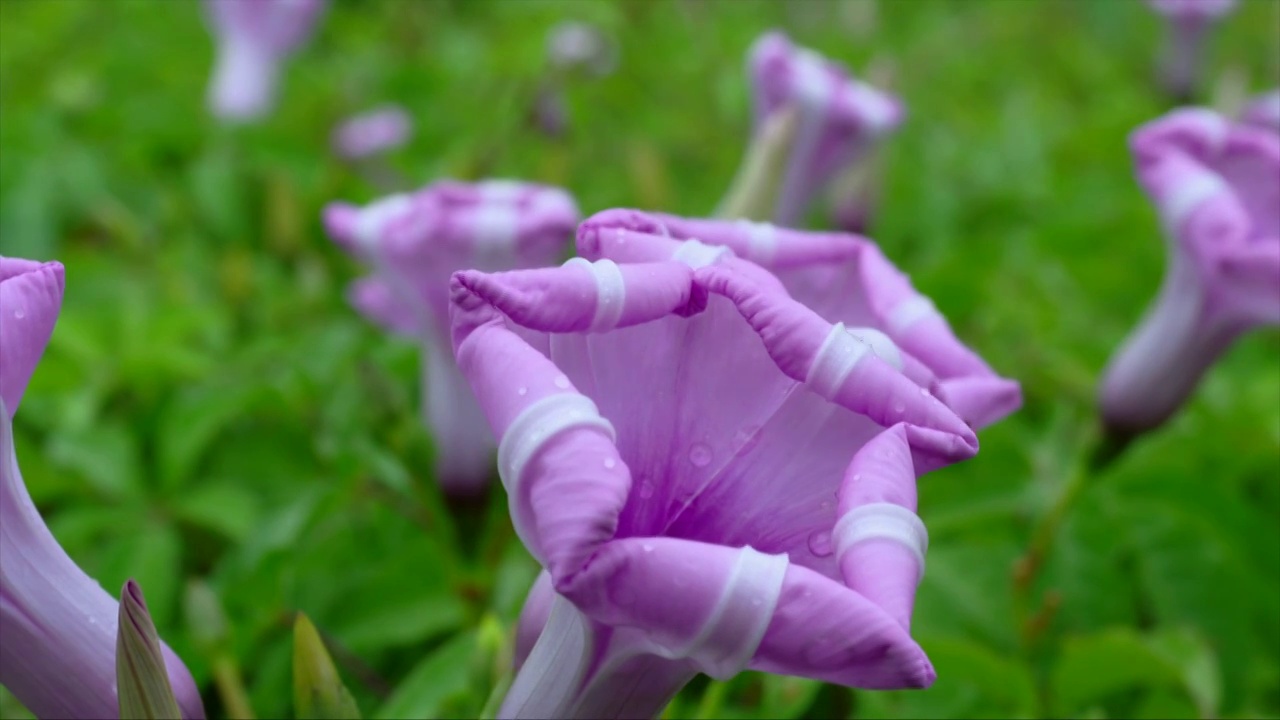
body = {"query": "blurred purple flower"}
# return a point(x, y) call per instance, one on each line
point(372, 133)
point(846, 279)
point(1263, 111)
point(414, 242)
point(574, 45)
point(57, 625)
point(253, 38)
point(1187, 22)
point(839, 121)
point(713, 476)
point(1217, 188)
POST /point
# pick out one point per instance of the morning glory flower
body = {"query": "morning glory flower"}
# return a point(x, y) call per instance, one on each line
point(847, 279)
point(253, 39)
point(713, 476)
point(1216, 186)
point(839, 120)
point(57, 625)
point(1188, 21)
point(1263, 111)
point(413, 242)
point(372, 133)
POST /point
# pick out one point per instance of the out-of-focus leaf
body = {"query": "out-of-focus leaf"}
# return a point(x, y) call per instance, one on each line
point(225, 507)
point(786, 696)
point(105, 454)
point(152, 554)
point(318, 691)
point(965, 592)
point(191, 422)
point(437, 679)
point(402, 620)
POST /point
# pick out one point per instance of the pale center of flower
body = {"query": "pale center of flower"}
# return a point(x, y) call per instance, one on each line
point(882, 521)
point(696, 254)
point(537, 424)
point(732, 633)
point(611, 292)
point(762, 240)
point(836, 358)
point(908, 313)
point(494, 226)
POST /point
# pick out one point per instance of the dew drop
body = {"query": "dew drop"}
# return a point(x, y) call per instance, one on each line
point(610, 462)
point(899, 407)
point(20, 313)
point(700, 455)
point(647, 547)
point(523, 391)
point(562, 382)
point(820, 543)
point(857, 477)
point(646, 490)
point(924, 392)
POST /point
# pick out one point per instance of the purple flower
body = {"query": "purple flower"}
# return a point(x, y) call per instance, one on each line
point(373, 132)
point(1263, 111)
point(1216, 186)
point(713, 476)
point(253, 38)
point(846, 279)
point(58, 654)
point(414, 242)
point(574, 45)
point(839, 119)
point(1188, 20)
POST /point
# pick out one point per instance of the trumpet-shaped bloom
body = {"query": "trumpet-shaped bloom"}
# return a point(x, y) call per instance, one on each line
point(839, 121)
point(1264, 111)
point(1188, 21)
point(413, 242)
point(713, 476)
point(1216, 185)
point(57, 625)
point(253, 38)
point(373, 133)
point(846, 279)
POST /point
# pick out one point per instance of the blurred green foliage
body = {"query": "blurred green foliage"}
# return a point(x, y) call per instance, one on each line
point(211, 410)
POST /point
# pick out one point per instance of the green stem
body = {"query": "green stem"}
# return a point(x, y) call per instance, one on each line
point(235, 699)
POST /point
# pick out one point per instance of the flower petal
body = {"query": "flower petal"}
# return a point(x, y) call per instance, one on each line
point(30, 298)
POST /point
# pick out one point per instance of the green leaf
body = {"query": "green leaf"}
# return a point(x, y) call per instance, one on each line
point(225, 507)
point(442, 676)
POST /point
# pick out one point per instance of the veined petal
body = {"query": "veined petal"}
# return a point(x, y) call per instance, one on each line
point(59, 625)
point(30, 298)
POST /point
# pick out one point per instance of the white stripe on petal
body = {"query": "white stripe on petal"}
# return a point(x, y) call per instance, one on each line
point(908, 313)
point(611, 292)
point(882, 521)
point(1188, 195)
point(730, 636)
point(696, 254)
point(538, 424)
point(882, 345)
point(836, 358)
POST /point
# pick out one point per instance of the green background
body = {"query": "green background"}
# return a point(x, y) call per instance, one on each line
point(210, 410)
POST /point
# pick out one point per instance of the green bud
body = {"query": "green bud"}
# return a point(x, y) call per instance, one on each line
point(318, 692)
point(142, 681)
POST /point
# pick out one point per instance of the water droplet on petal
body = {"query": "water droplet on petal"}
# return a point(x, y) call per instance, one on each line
point(562, 382)
point(647, 547)
point(899, 407)
point(820, 543)
point(924, 392)
point(610, 462)
point(646, 490)
point(20, 313)
point(857, 477)
point(700, 455)
point(523, 391)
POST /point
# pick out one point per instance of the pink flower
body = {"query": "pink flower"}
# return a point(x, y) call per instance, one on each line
point(413, 242)
point(57, 625)
point(1264, 111)
point(840, 120)
point(253, 38)
point(373, 132)
point(714, 476)
point(1216, 185)
point(1188, 20)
